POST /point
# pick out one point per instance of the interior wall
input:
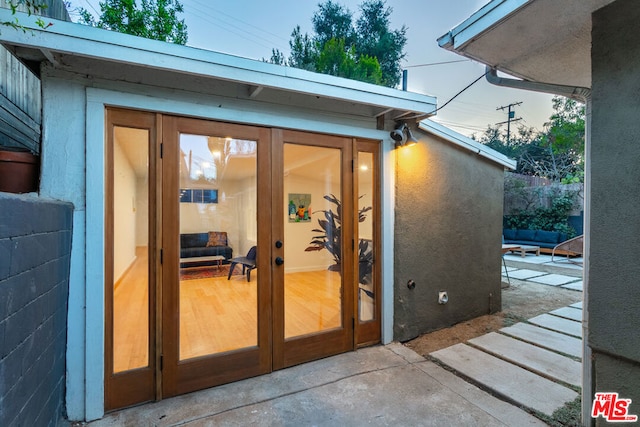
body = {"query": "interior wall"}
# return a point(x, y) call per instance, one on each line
point(124, 212)
point(448, 227)
point(298, 235)
point(612, 275)
point(235, 214)
point(142, 211)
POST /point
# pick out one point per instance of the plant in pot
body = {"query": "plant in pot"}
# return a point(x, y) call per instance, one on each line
point(19, 170)
point(331, 240)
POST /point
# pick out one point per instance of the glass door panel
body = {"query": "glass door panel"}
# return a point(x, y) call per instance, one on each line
point(368, 269)
point(365, 251)
point(216, 290)
point(130, 249)
point(218, 225)
point(130, 261)
point(313, 269)
point(313, 284)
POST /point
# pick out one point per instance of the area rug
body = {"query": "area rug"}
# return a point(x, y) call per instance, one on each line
point(208, 272)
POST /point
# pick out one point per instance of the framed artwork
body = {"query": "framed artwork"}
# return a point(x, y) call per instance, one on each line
point(299, 207)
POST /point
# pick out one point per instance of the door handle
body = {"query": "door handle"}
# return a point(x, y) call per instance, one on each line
point(279, 260)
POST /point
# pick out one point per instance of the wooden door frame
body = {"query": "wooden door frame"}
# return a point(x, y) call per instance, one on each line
point(299, 350)
point(138, 385)
point(179, 377)
point(156, 381)
point(370, 332)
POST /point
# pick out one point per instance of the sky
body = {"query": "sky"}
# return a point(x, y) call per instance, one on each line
point(251, 28)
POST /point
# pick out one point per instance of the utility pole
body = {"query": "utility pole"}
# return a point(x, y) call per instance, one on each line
point(510, 117)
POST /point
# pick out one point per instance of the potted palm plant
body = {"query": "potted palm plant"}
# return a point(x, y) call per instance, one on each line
point(331, 240)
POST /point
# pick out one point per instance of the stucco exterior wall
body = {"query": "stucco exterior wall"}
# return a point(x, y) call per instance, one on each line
point(73, 142)
point(448, 228)
point(614, 272)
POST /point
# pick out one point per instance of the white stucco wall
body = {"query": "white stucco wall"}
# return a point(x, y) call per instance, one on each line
point(73, 142)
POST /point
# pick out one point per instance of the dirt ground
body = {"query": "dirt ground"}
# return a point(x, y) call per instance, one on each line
point(520, 301)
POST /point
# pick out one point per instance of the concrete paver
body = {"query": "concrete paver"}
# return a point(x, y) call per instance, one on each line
point(553, 279)
point(524, 274)
point(577, 305)
point(559, 324)
point(511, 381)
point(503, 411)
point(568, 313)
point(529, 258)
point(575, 286)
point(544, 362)
point(545, 338)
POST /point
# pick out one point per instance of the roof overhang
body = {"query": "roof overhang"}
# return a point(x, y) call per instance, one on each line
point(545, 41)
point(466, 143)
point(104, 54)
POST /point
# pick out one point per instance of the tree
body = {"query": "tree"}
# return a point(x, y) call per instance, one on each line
point(376, 40)
point(31, 7)
point(564, 137)
point(368, 51)
point(556, 153)
point(155, 19)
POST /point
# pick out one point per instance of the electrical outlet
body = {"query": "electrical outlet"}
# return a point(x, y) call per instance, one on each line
point(443, 297)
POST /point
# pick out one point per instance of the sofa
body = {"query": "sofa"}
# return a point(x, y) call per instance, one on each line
point(546, 240)
point(205, 244)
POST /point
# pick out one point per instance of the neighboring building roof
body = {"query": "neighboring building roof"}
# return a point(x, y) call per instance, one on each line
point(466, 143)
point(78, 47)
point(538, 40)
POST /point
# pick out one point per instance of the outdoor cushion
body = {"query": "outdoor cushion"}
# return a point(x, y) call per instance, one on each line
point(547, 236)
point(526, 235)
point(509, 233)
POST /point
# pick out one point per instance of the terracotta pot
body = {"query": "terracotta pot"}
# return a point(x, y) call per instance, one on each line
point(19, 171)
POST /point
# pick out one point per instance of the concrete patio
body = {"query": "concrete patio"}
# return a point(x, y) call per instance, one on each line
point(381, 385)
point(533, 365)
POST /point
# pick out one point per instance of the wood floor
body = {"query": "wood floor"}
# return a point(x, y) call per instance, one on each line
point(217, 314)
point(131, 316)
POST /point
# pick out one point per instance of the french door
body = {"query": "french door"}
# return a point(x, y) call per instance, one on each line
point(190, 205)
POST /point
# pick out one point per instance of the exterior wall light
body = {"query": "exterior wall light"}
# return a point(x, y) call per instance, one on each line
point(402, 136)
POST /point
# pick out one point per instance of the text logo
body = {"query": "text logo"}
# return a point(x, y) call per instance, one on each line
point(612, 408)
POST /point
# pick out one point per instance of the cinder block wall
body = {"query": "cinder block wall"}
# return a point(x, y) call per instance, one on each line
point(35, 248)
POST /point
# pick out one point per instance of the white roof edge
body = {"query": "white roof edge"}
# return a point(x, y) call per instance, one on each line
point(73, 38)
point(486, 17)
point(466, 143)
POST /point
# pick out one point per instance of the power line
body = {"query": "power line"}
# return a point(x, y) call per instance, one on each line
point(436, 63)
point(477, 128)
point(459, 93)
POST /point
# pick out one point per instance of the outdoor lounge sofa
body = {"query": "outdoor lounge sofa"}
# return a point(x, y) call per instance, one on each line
point(205, 244)
point(546, 240)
